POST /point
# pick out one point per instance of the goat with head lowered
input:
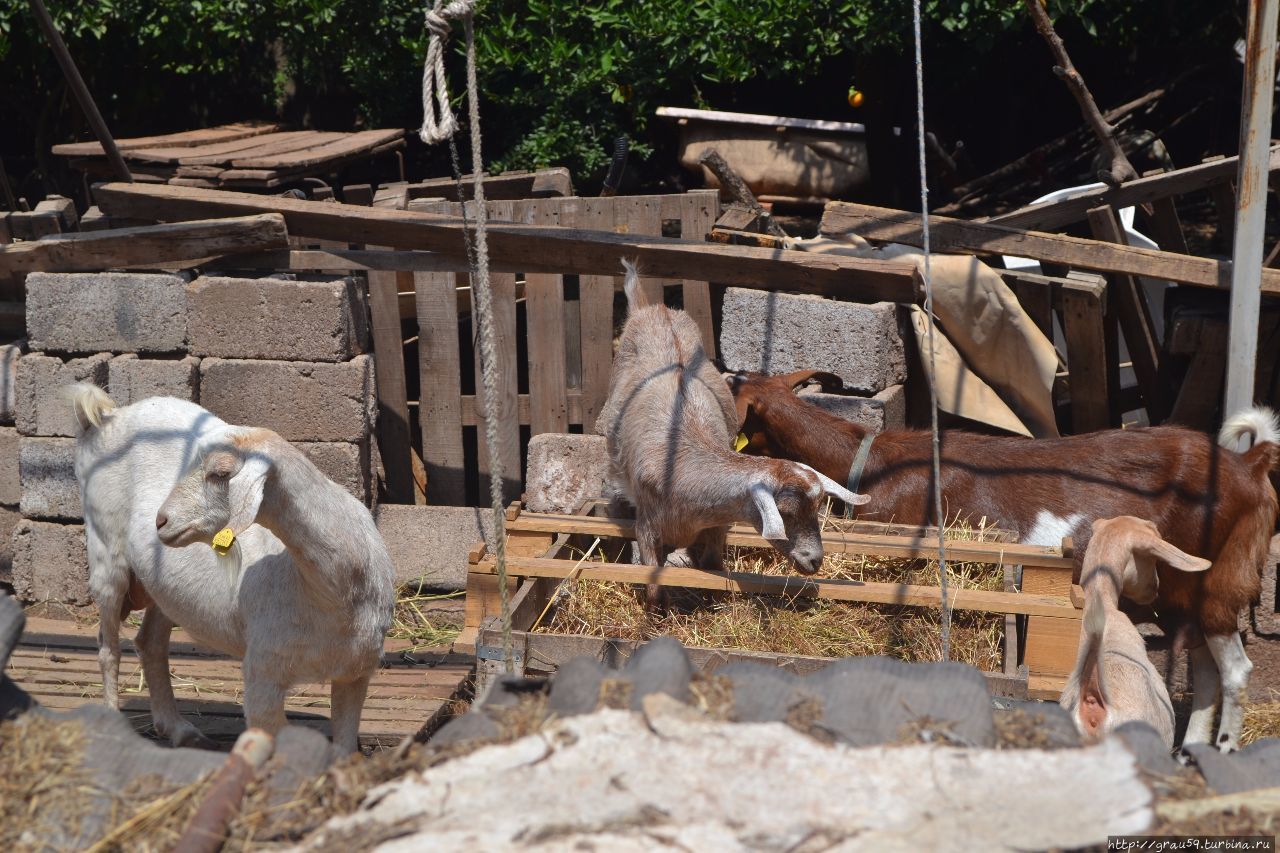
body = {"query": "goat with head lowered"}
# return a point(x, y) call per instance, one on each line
point(669, 422)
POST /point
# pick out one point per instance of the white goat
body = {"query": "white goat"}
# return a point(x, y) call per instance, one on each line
point(669, 422)
point(1114, 681)
point(311, 593)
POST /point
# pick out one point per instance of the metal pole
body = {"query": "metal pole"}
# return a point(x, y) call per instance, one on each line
point(1251, 203)
point(81, 91)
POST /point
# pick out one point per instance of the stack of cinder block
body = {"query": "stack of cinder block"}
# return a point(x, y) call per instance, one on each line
point(272, 352)
point(862, 344)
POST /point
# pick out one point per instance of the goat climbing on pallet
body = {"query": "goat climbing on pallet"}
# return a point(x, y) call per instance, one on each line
point(669, 423)
point(1204, 499)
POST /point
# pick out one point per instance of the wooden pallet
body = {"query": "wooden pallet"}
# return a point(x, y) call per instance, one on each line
point(536, 542)
point(245, 155)
point(57, 662)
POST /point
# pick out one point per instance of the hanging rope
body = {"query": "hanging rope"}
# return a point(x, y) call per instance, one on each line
point(438, 123)
point(933, 364)
point(477, 249)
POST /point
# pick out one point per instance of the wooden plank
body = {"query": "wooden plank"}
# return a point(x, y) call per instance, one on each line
point(698, 215)
point(534, 247)
point(440, 377)
point(508, 186)
point(544, 313)
point(1163, 224)
point(642, 215)
point(595, 294)
point(1150, 187)
point(1197, 403)
point(1130, 303)
point(922, 544)
point(503, 289)
point(1037, 300)
point(393, 407)
point(187, 138)
point(221, 152)
point(1052, 644)
point(1083, 326)
point(146, 245)
point(350, 143)
point(907, 595)
point(945, 234)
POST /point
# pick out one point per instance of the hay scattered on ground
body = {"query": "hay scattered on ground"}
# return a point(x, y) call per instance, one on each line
point(419, 620)
point(800, 625)
point(42, 783)
point(1261, 719)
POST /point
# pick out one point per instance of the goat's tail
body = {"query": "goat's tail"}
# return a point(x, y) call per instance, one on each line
point(631, 286)
point(1259, 424)
point(90, 403)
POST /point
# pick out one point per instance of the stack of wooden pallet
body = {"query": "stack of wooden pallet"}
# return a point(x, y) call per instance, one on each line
point(247, 155)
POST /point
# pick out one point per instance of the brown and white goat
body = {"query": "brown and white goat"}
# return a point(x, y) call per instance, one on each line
point(669, 423)
point(1204, 499)
point(1113, 681)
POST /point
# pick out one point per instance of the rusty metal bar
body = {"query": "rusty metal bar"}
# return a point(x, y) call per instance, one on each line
point(81, 91)
point(1251, 203)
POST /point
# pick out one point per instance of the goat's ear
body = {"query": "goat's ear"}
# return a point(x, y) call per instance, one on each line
point(834, 489)
point(828, 381)
point(741, 397)
point(221, 464)
point(1154, 547)
point(771, 525)
point(246, 489)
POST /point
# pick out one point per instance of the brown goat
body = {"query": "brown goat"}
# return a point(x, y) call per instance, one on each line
point(1205, 500)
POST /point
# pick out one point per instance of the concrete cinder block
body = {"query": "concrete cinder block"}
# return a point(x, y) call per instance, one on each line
point(112, 311)
point(50, 562)
point(42, 407)
point(49, 488)
point(9, 519)
point(134, 379)
point(778, 333)
point(277, 319)
point(564, 470)
point(345, 464)
point(9, 355)
point(10, 478)
point(431, 543)
point(303, 401)
point(885, 411)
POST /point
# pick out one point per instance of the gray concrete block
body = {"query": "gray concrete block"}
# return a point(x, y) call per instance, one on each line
point(887, 410)
point(431, 543)
point(10, 479)
point(133, 379)
point(564, 470)
point(49, 488)
point(303, 401)
point(778, 333)
point(112, 311)
point(9, 519)
point(9, 355)
point(50, 562)
point(277, 319)
point(43, 408)
point(345, 464)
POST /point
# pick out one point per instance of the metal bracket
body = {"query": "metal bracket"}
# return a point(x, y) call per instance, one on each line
point(494, 653)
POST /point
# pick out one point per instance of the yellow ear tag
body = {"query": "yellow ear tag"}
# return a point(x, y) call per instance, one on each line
point(739, 442)
point(223, 540)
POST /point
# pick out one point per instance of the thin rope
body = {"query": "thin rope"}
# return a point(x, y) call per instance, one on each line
point(438, 122)
point(477, 249)
point(933, 364)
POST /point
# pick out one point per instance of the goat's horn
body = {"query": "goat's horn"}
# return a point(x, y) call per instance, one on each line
point(771, 525)
point(831, 487)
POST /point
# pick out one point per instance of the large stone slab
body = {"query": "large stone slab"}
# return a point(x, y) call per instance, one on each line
point(9, 519)
point(50, 562)
point(345, 464)
point(303, 401)
point(9, 355)
point(111, 311)
point(43, 408)
point(133, 379)
point(49, 488)
point(276, 318)
point(10, 478)
point(430, 543)
point(770, 332)
point(887, 410)
point(564, 470)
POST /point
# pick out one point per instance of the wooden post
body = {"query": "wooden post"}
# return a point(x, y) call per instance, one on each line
point(1084, 327)
point(1251, 209)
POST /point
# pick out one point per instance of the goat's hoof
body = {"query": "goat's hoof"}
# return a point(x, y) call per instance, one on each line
point(189, 736)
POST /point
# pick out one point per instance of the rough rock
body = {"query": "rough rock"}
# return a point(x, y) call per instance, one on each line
point(564, 470)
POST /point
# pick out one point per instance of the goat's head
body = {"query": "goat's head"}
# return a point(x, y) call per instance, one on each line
point(1132, 547)
point(788, 497)
point(752, 393)
point(222, 489)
